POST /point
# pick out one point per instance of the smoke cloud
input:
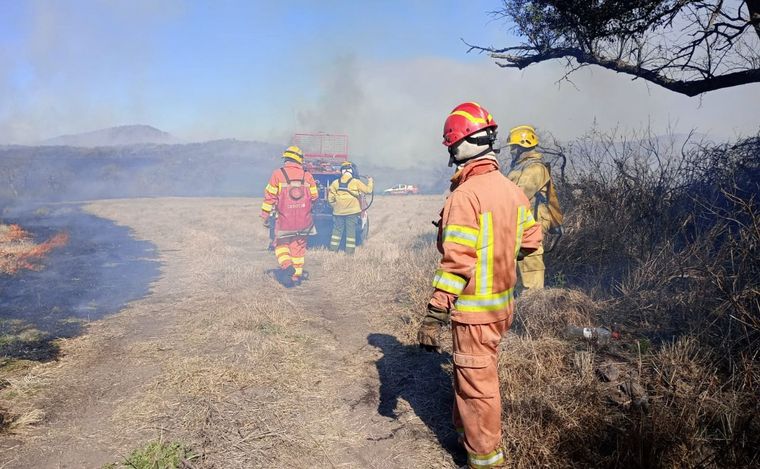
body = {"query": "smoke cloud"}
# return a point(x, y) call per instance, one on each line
point(77, 71)
point(394, 111)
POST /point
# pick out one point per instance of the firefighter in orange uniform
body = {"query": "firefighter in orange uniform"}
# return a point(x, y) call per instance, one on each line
point(287, 199)
point(486, 225)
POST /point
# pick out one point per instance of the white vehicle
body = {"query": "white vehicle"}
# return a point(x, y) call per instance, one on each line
point(402, 189)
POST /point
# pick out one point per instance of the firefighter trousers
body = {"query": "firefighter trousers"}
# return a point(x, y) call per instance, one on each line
point(291, 251)
point(344, 224)
point(477, 402)
point(531, 270)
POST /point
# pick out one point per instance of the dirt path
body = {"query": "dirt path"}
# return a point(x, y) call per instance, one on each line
point(248, 374)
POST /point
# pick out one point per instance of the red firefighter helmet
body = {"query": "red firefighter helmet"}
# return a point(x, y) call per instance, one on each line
point(465, 120)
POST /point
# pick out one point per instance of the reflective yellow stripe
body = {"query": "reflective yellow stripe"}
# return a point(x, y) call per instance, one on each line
point(459, 234)
point(282, 250)
point(448, 282)
point(484, 303)
point(529, 220)
point(469, 117)
point(486, 461)
point(524, 221)
point(271, 189)
point(267, 207)
point(484, 264)
point(519, 229)
point(313, 190)
point(297, 260)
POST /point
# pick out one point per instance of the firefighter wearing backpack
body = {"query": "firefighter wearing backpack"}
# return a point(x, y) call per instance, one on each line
point(343, 197)
point(287, 198)
point(531, 174)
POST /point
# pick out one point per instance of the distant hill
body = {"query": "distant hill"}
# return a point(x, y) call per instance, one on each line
point(49, 173)
point(69, 170)
point(114, 136)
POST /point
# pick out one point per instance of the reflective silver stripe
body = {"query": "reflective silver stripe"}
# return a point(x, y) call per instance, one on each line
point(492, 301)
point(448, 282)
point(484, 303)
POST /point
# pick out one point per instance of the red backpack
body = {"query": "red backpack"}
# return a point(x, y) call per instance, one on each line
point(294, 206)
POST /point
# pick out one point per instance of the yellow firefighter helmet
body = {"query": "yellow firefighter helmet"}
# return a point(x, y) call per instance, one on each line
point(524, 136)
point(293, 153)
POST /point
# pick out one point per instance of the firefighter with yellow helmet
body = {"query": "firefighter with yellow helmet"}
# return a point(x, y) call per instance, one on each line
point(343, 196)
point(529, 171)
point(288, 197)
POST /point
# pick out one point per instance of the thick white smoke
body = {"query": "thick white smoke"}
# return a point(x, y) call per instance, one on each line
point(394, 110)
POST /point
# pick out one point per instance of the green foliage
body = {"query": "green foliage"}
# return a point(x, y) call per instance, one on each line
point(559, 280)
point(579, 20)
point(156, 455)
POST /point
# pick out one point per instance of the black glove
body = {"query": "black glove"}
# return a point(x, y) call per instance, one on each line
point(429, 332)
point(267, 222)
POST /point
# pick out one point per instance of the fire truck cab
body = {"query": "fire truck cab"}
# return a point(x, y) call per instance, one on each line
point(323, 154)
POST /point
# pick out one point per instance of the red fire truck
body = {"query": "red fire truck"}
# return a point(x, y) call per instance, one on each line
point(323, 153)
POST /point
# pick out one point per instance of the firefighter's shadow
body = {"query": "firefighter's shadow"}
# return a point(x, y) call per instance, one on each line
point(422, 380)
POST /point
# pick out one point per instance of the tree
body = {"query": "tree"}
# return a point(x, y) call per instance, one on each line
point(687, 46)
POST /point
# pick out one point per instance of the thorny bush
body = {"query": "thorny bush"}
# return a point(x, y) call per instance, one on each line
point(670, 228)
point(662, 237)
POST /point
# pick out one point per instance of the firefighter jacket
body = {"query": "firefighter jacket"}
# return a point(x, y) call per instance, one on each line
point(486, 221)
point(532, 176)
point(344, 193)
point(278, 190)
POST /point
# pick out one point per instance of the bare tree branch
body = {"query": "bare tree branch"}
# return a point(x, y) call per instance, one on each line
point(686, 46)
point(689, 88)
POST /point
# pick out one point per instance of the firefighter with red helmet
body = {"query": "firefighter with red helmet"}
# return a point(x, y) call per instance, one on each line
point(287, 199)
point(486, 225)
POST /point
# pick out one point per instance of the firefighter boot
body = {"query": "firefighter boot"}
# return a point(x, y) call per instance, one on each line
point(285, 276)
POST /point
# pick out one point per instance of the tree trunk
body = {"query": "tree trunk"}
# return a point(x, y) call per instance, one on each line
point(754, 14)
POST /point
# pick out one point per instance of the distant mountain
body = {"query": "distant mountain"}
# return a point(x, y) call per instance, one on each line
point(48, 173)
point(114, 136)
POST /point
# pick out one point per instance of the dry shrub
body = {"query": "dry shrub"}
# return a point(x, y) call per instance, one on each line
point(554, 411)
point(548, 312)
point(415, 273)
point(669, 230)
point(18, 393)
point(662, 237)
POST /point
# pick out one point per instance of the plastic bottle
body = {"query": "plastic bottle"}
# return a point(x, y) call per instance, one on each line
point(600, 335)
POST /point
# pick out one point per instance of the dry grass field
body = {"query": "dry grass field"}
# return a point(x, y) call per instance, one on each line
point(245, 373)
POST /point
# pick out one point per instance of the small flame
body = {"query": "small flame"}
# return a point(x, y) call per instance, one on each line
point(19, 252)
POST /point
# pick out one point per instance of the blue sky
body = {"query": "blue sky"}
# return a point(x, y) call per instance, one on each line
point(384, 72)
point(172, 61)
